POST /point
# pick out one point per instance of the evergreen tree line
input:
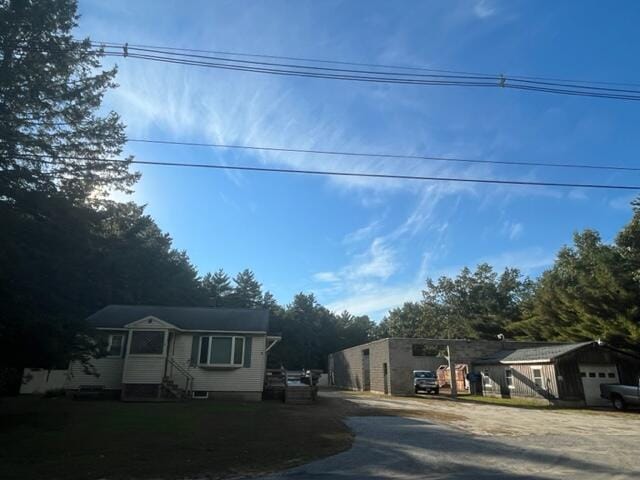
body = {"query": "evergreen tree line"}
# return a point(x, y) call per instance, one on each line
point(592, 291)
point(67, 248)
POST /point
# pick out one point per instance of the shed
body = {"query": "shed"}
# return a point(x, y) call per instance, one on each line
point(568, 374)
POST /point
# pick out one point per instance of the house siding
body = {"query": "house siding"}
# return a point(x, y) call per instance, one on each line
point(243, 379)
point(494, 383)
point(144, 369)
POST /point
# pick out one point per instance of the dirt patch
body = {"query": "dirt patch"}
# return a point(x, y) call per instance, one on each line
point(63, 439)
point(498, 420)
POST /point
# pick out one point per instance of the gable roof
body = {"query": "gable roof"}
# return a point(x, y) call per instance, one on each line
point(531, 355)
point(184, 318)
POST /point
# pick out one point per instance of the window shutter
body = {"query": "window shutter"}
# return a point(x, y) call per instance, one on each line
point(247, 352)
point(195, 348)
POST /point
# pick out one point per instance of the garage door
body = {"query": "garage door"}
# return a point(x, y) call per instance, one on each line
point(592, 376)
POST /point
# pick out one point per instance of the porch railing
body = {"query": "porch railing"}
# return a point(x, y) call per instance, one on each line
point(183, 371)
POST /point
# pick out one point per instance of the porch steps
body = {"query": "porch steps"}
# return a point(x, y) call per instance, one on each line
point(173, 391)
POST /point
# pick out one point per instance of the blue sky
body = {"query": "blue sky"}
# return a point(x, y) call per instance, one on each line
point(363, 244)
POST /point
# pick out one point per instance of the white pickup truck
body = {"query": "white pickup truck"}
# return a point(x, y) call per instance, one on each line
point(621, 395)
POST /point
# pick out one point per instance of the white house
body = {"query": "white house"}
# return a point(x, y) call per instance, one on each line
point(176, 352)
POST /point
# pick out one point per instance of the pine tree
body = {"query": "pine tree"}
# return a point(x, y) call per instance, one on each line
point(53, 134)
point(217, 287)
point(247, 291)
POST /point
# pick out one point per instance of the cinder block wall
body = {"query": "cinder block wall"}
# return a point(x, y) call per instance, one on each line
point(346, 366)
point(402, 361)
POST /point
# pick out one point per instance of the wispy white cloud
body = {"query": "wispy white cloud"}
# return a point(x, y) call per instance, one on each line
point(484, 9)
point(622, 202)
point(330, 277)
point(512, 230)
point(362, 233)
point(378, 302)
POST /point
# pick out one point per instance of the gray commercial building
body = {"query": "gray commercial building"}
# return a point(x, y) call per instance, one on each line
point(386, 366)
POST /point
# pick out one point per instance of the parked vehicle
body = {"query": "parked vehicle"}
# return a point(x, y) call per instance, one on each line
point(621, 395)
point(425, 381)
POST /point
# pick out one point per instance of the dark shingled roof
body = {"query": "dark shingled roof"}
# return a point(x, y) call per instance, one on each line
point(185, 318)
point(525, 355)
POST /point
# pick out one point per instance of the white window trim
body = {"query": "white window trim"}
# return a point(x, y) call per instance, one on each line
point(233, 351)
point(148, 355)
point(510, 386)
point(110, 342)
point(542, 379)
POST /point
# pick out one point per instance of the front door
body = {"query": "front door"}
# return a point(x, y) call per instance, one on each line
point(594, 375)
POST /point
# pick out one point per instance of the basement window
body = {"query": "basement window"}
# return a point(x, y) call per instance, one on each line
point(200, 394)
point(221, 351)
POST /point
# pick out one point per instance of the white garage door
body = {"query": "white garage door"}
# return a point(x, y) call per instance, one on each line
point(592, 376)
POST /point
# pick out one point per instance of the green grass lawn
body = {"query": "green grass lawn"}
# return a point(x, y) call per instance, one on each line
point(58, 438)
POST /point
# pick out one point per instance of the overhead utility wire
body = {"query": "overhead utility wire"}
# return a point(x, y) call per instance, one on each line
point(361, 64)
point(468, 76)
point(339, 173)
point(376, 76)
point(379, 155)
point(392, 77)
point(385, 155)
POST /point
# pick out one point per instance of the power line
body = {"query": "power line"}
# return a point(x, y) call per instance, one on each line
point(385, 155)
point(343, 153)
point(461, 79)
point(460, 75)
point(393, 77)
point(362, 64)
point(338, 173)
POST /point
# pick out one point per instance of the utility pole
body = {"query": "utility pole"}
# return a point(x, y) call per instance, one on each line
point(452, 374)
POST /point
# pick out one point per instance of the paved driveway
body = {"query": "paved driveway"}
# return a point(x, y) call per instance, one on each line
point(440, 439)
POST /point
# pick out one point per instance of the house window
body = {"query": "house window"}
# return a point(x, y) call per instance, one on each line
point(147, 343)
point(611, 375)
point(486, 379)
point(537, 377)
point(221, 351)
point(508, 375)
point(114, 348)
point(601, 374)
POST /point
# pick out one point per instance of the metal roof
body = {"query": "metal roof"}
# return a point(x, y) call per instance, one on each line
point(531, 355)
point(185, 318)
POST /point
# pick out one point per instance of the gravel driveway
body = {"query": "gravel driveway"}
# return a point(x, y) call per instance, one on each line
point(431, 438)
